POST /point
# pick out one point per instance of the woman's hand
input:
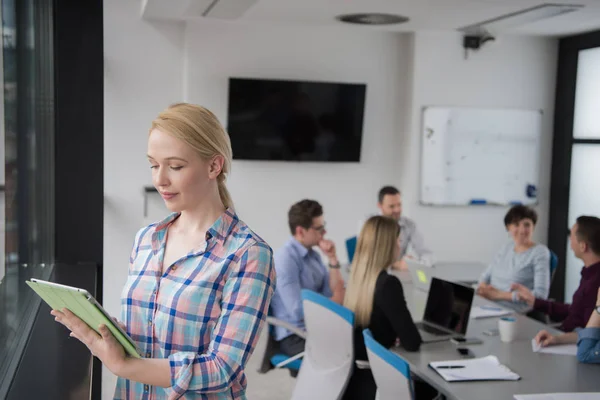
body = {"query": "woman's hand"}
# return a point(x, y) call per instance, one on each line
point(486, 290)
point(103, 346)
point(523, 294)
point(545, 339)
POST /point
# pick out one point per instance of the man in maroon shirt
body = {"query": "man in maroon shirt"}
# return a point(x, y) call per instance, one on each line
point(585, 243)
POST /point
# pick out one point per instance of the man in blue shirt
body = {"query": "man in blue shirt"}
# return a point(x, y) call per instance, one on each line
point(299, 267)
point(588, 343)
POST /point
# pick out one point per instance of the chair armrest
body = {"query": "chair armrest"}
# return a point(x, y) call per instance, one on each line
point(362, 364)
point(294, 329)
point(289, 360)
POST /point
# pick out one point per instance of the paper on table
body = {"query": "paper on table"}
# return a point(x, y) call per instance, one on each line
point(476, 369)
point(489, 311)
point(562, 349)
point(558, 396)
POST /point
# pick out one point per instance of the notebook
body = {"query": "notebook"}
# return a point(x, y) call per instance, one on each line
point(489, 312)
point(82, 304)
point(476, 369)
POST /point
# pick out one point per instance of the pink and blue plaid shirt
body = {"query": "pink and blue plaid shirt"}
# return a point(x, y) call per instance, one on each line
point(204, 313)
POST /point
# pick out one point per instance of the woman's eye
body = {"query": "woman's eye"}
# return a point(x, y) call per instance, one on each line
point(176, 168)
point(153, 166)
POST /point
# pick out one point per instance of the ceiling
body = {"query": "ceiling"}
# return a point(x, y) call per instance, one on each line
point(423, 14)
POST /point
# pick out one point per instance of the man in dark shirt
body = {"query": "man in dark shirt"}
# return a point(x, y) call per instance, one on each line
point(585, 243)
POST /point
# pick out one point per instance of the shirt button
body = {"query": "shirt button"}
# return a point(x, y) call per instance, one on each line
point(149, 322)
point(174, 267)
point(146, 388)
point(596, 353)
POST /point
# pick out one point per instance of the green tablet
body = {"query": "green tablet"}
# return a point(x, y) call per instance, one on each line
point(82, 304)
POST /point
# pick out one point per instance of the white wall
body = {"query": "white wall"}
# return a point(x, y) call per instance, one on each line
point(143, 73)
point(150, 65)
point(263, 191)
point(513, 72)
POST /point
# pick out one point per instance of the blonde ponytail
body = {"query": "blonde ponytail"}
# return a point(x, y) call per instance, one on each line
point(224, 192)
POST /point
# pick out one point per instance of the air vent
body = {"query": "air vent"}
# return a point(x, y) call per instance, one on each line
point(373, 19)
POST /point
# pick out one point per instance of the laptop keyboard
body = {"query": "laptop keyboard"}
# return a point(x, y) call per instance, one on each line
point(432, 330)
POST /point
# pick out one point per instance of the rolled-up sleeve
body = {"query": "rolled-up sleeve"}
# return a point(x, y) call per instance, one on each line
point(245, 300)
point(588, 345)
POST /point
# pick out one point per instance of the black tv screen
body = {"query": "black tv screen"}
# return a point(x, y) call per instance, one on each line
point(295, 120)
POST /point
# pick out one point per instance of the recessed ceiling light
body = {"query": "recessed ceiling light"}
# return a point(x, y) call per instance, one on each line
point(372, 19)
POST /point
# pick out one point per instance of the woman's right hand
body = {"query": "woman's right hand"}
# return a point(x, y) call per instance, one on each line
point(523, 293)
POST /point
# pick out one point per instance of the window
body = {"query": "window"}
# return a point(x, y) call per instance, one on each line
point(27, 167)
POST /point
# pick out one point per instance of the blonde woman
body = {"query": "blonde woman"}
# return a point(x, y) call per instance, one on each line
point(200, 281)
point(377, 299)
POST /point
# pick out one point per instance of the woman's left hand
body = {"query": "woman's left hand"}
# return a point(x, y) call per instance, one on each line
point(488, 291)
point(103, 346)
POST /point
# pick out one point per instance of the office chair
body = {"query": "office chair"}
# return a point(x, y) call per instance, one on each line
point(391, 372)
point(329, 355)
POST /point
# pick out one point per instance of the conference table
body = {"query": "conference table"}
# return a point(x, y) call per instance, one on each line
point(539, 372)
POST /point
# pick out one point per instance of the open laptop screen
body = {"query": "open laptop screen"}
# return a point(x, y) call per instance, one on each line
point(449, 305)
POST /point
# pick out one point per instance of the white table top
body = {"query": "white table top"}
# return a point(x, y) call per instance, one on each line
point(539, 372)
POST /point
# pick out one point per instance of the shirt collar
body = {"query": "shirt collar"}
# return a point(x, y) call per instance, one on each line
point(219, 230)
point(590, 271)
point(299, 247)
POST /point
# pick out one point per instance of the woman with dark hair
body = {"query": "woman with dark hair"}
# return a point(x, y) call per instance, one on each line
point(519, 261)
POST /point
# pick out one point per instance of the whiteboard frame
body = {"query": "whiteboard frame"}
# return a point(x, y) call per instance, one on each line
point(422, 155)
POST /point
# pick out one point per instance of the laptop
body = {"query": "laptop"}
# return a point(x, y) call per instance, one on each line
point(447, 311)
point(420, 274)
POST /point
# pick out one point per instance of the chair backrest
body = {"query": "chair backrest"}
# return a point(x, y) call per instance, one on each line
point(351, 247)
point(329, 354)
point(391, 372)
point(553, 264)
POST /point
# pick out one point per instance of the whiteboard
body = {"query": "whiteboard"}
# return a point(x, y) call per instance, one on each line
point(480, 156)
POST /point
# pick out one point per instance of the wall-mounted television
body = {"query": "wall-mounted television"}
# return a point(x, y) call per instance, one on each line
point(295, 120)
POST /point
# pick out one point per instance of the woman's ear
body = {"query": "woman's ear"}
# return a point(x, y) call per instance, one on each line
point(215, 166)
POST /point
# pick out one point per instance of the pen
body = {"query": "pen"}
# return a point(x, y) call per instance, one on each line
point(451, 366)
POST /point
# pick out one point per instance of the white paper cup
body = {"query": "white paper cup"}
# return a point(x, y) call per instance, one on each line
point(508, 329)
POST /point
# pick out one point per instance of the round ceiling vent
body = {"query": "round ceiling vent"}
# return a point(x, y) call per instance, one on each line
point(373, 19)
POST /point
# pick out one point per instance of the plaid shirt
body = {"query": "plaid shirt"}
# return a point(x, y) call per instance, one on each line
point(204, 313)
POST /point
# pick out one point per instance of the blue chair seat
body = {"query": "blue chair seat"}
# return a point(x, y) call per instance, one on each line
point(278, 358)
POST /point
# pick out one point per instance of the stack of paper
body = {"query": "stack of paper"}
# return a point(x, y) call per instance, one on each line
point(477, 369)
point(558, 396)
point(562, 349)
point(489, 311)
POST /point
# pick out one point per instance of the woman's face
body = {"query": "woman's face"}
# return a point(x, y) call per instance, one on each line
point(181, 177)
point(521, 231)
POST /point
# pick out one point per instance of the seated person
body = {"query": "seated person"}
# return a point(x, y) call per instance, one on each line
point(519, 261)
point(585, 243)
point(298, 267)
point(377, 300)
point(587, 339)
point(412, 245)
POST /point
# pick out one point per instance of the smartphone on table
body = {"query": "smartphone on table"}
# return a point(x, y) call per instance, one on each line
point(465, 341)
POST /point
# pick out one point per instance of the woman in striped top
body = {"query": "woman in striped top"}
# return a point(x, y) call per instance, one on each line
point(519, 261)
point(200, 281)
